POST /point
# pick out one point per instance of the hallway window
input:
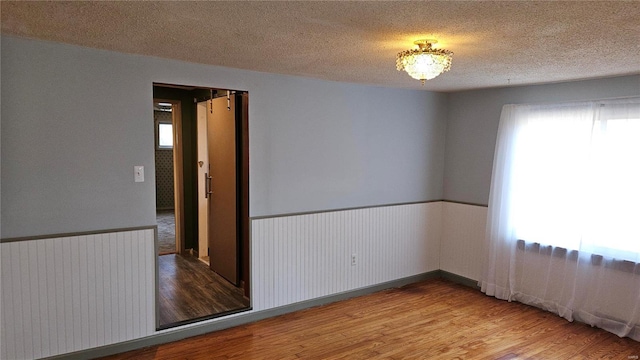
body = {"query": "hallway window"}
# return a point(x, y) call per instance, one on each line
point(165, 135)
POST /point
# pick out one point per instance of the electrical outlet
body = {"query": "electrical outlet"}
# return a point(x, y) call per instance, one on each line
point(354, 259)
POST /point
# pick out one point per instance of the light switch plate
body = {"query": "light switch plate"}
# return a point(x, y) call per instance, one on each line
point(138, 173)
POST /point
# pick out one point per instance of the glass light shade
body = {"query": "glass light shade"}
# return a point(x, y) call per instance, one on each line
point(425, 66)
point(424, 63)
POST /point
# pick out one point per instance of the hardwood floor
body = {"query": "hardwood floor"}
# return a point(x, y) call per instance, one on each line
point(165, 219)
point(436, 319)
point(189, 290)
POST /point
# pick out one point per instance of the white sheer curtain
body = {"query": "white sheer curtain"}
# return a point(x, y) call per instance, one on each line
point(563, 226)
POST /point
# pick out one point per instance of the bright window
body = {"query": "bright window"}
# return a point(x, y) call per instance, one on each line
point(571, 176)
point(165, 135)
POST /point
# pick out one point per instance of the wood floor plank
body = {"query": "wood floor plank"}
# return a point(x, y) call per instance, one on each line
point(435, 319)
point(165, 219)
point(188, 289)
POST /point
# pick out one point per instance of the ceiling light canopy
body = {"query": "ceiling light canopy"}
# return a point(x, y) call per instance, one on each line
point(425, 62)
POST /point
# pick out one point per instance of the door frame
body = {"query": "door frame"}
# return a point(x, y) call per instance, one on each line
point(202, 155)
point(183, 127)
point(242, 142)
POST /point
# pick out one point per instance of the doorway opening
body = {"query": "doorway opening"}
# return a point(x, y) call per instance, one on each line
point(204, 272)
point(167, 117)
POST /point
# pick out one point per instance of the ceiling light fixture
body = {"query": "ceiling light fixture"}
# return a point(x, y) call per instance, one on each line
point(424, 63)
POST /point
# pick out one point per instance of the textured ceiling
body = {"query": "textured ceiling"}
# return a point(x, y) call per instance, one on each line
point(494, 43)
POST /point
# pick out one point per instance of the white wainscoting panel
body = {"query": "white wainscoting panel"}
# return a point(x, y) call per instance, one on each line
point(67, 294)
point(463, 228)
point(301, 257)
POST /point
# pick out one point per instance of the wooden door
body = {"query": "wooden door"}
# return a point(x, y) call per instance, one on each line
point(223, 200)
point(203, 172)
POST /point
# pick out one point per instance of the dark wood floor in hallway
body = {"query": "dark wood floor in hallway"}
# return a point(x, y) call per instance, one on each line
point(165, 219)
point(188, 289)
point(435, 319)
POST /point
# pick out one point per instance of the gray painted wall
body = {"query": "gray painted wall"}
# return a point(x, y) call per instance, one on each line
point(75, 121)
point(472, 127)
point(322, 145)
point(71, 134)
